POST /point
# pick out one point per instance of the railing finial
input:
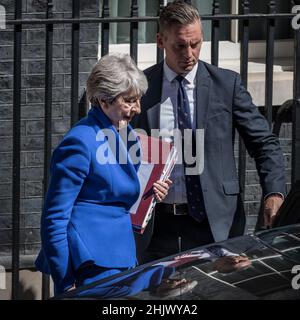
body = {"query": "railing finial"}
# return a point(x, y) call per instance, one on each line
point(246, 4)
point(134, 8)
point(272, 6)
point(216, 7)
point(49, 13)
point(105, 9)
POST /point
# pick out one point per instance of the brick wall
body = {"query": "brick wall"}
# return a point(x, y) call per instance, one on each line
point(32, 109)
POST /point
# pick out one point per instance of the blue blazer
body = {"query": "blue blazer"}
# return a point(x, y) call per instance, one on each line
point(85, 217)
point(223, 105)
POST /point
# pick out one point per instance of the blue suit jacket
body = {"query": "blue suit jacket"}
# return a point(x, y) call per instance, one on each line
point(85, 216)
point(223, 105)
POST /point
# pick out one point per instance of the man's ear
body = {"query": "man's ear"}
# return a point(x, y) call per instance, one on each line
point(159, 40)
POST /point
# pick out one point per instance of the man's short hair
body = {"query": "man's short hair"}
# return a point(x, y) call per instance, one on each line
point(177, 12)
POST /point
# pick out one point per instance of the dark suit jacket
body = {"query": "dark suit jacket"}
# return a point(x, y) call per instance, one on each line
point(222, 105)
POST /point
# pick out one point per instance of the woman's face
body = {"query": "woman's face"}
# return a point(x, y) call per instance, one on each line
point(123, 108)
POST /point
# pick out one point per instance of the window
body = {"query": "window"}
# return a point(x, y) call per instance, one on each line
point(120, 32)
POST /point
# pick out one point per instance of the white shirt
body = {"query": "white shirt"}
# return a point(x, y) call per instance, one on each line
point(168, 121)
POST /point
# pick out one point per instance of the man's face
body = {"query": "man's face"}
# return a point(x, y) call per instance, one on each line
point(182, 45)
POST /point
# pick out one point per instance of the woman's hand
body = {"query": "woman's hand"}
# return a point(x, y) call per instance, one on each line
point(161, 189)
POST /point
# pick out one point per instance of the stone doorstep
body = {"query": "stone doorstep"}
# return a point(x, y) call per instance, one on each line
point(282, 78)
point(259, 64)
point(282, 87)
point(30, 285)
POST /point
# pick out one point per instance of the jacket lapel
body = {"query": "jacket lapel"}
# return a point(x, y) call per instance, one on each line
point(153, 115)
point(152, 98)
point(202, 95)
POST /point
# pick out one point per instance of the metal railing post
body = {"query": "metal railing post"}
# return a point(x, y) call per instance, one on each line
point(159, 52)
point(244, 29)
point(215, 34)
point(134, 31)
point(48, 122)
point(75, 64)
point(296, 113)
point(16, 151)
point(270, 63)
point(105, 29)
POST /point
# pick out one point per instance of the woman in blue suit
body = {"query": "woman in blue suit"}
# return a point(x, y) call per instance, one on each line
point(85, 228)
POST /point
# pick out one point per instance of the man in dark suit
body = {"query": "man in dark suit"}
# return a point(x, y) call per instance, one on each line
point(187, 93)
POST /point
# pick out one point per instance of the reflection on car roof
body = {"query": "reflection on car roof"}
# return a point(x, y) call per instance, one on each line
point(250, 267)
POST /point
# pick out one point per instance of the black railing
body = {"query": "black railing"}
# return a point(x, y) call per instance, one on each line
point(16, 150)
point(244, 36)
point(296, 113)
point(78, 108)
point(47, 123)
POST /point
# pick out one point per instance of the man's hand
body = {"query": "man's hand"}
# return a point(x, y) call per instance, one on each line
point(271, 206)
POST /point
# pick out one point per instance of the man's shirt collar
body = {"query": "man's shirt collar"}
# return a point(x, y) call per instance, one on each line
point(171, 75)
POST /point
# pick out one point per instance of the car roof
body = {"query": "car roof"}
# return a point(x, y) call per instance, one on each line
point(254, 266)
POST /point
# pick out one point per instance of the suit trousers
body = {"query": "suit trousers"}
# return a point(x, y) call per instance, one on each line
point(167, 230)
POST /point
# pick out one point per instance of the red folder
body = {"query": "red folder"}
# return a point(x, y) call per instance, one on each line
point(157, 161)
